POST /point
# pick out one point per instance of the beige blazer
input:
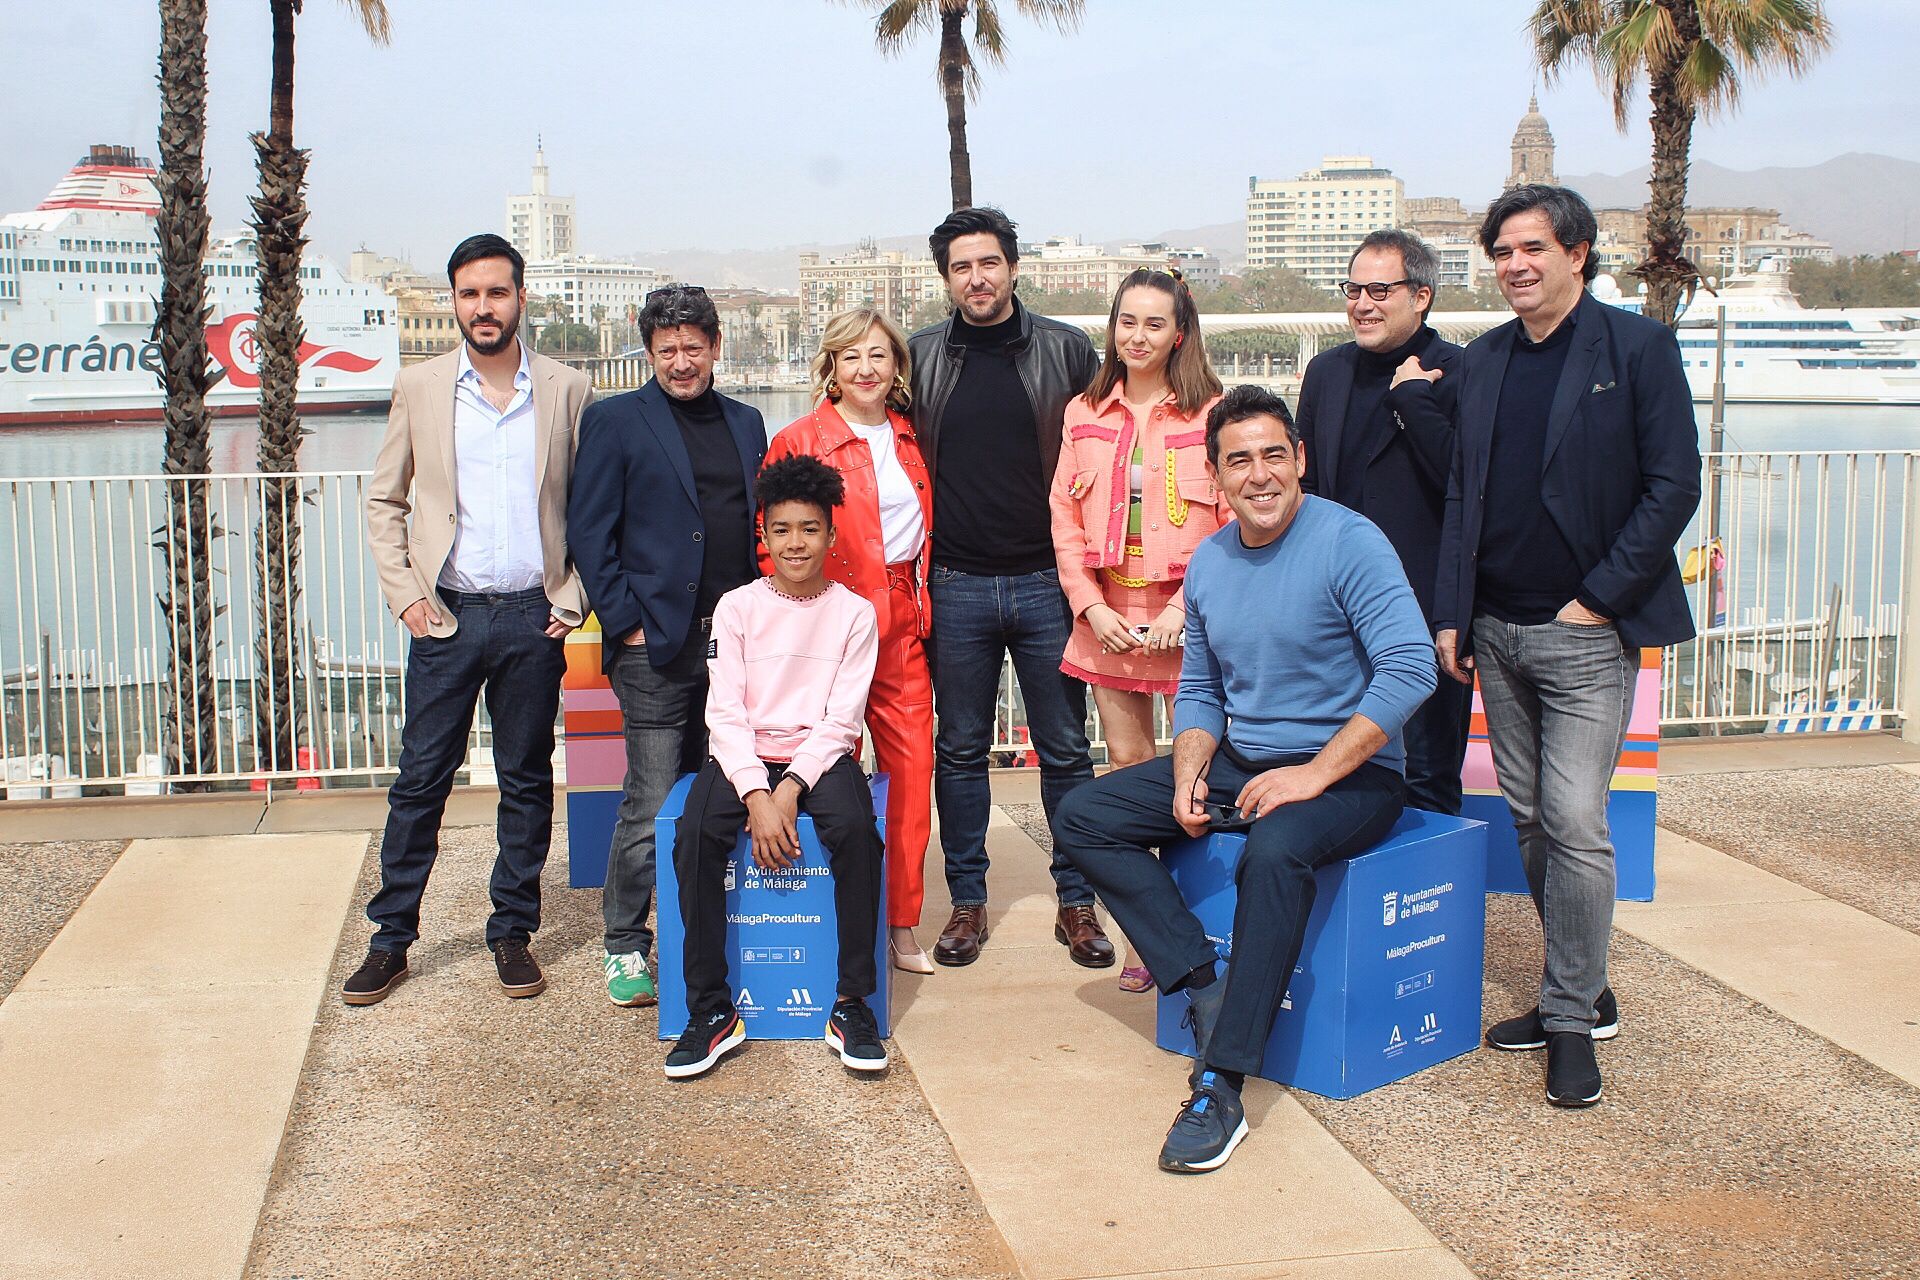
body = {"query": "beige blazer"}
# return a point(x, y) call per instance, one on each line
point(415, 477)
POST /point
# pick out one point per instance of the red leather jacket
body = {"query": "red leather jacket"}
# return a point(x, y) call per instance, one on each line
point(858, 558)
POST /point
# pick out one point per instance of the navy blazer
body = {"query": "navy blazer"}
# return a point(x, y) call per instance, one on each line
point(1620, 475)
point(1405, 490)
point(633, 520)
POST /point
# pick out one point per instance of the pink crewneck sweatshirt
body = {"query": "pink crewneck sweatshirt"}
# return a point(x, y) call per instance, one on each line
point(787, 680)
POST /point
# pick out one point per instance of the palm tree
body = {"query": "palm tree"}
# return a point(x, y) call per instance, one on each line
point(1693, 54)
point(896, 22)
point(181, 328)
point(279, 224)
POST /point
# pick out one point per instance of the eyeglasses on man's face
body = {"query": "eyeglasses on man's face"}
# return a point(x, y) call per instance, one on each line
point(1375, 289)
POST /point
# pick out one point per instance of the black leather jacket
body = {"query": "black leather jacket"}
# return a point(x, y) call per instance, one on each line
point(1056, 363)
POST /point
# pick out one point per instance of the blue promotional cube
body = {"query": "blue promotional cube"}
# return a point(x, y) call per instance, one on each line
point(783, 942)
point(1388, 981)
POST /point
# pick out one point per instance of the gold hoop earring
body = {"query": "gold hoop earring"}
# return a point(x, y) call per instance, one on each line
point(833, 390)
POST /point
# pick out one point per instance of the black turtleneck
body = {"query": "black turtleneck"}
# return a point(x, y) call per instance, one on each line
point(1369, 425)
point(990, 491)
point(720, 478)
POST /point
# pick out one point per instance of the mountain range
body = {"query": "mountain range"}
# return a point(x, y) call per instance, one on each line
point(1860, 202)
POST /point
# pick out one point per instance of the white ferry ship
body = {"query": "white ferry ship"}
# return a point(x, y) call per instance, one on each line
point(1779, 352)
point(79, 282)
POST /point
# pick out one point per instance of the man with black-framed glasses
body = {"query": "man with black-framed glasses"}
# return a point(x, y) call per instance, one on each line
point(1377, 415)
point(661, 525)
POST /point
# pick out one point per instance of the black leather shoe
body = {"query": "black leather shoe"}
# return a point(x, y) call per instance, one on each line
point(1573, 1074)
point(960, 941)
point(520, 974)
point(377, 976)
point(1078, 929)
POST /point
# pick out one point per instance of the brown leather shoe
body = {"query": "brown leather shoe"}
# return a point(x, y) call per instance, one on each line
point(960, 941)
point(1079, 930)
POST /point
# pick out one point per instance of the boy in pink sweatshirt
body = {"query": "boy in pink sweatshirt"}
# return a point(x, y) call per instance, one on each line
point(789, 665)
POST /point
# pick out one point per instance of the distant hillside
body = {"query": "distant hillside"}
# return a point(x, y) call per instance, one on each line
point(1862, 203)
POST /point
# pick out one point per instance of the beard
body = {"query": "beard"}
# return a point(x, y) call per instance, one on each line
point(509, 329)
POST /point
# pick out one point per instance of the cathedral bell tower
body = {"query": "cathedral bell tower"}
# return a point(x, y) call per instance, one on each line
point(1532, 149)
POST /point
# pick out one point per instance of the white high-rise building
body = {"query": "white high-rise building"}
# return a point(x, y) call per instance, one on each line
point(1313, 223)
point(540, 225)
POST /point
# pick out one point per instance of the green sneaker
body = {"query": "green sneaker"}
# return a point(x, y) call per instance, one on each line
point(628, 982)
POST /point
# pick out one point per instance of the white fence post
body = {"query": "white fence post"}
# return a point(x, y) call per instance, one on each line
point(1910, 605)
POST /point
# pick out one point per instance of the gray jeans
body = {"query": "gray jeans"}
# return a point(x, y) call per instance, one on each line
point(663, 713)
point(1557, 699)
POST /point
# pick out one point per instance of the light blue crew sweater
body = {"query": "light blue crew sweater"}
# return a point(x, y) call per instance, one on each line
point(1287, 642)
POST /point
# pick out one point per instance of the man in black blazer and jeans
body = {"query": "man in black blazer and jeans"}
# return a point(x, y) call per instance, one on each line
point(1376, 418)
point(1576, 469)
point(661, 526)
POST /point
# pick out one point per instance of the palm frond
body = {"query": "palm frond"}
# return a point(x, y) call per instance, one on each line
point(373, 16)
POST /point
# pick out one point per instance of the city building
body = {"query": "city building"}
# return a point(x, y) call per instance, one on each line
point(889, 279)
point(591, 289)
point(1200, 269)
point(1532, 149)
point(1463, 263)
point(1064, 265)
point(427, 326)
point(540, 225)
point(1436, 218)
point(1721, 240)
point(758, 328)
point(1313, 223)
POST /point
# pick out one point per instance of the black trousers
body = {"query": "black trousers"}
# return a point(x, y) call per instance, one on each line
point(1436, 741)
point(842, 811)
point(1109, 829)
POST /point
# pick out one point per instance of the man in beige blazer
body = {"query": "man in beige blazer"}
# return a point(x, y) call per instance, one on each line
point(466, 517)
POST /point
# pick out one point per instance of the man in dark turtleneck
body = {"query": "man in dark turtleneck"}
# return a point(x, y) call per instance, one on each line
point(990, 390)
point(1377, 418)
point(661, 526)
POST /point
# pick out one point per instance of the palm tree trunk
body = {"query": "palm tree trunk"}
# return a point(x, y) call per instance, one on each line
point(1667, 271)
point(953, 86)
point(186, 540)
point(279, 222)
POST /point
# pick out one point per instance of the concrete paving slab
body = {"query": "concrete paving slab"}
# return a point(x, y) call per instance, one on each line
point(1691, 874)
point(1059, 1112)
point(1835, 970)
point(218, 813)
point(1753, 752)
point(1401, 1264)
point(41, 886)
point(161, 1033)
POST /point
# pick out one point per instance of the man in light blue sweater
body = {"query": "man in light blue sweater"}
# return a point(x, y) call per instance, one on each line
point(1305, 653)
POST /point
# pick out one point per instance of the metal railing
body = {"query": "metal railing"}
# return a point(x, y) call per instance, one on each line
point(88, 695)
point(1803, 586)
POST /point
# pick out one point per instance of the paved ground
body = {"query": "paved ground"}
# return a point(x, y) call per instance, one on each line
point(41, 885)
point(451, 1132)
point(1851, 834)
point(1733, 1143)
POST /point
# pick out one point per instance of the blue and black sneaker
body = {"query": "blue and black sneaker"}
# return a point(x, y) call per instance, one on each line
point(1207, 1129)
point(855, 1036)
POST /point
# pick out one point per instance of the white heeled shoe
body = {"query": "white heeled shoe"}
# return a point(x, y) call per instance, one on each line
point(914, 961)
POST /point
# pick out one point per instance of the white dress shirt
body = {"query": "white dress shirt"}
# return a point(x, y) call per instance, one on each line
point(902, 528)
point(496, 544)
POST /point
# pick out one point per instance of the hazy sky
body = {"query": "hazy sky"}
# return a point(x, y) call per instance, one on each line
point(756, 123)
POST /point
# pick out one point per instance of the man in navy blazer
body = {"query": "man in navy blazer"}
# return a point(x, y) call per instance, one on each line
point(1376, 417)
point(1576, 470)
point(661, 526)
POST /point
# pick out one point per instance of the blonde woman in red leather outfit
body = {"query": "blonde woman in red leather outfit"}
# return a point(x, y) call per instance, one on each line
point(861, 430)
point(1131, 500)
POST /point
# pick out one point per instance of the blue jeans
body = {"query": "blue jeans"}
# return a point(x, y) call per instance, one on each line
point(1111, 828)
point(977, 620)
point(500, 647)
point(663, 714)
point(1558, 697)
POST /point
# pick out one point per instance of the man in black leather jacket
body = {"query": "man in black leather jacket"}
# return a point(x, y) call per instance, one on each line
point(990, 387)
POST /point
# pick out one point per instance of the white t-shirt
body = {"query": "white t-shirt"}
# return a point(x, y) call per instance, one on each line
point(902, 529)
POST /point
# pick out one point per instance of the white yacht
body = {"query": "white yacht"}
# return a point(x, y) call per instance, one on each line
point(1779, 352)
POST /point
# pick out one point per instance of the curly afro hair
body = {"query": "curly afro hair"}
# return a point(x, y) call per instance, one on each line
point(800, 478)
